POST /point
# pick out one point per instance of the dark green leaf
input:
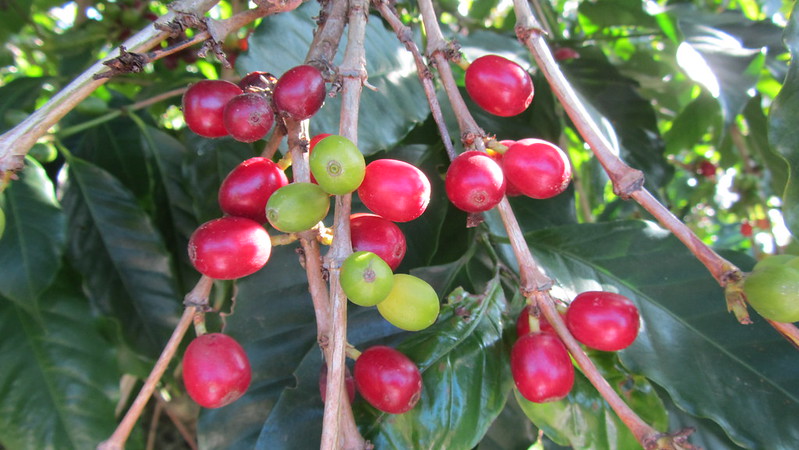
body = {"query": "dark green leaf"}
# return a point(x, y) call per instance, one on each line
point(584, 420)
point(385, 114)
point(698, 118)
point(711, 365)
point(757, 140)
point(783, 132)
point(59, 382)
point(33, 243)
point(121, 255)
point(608, 13)
point(464, 364)
point(18, 96)
point(512, 430)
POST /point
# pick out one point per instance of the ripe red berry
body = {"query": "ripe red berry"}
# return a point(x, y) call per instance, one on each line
point(539, 169)
point(763, 223)
point(257, 82)
point(204, 104)
point(565, 54)
point(499, 85)
point(707, 169)
point(372, 233)
point(300, 92)
point(248, 117)
point(523, 323)
point(394, 189)
point(216, 370)
point(229, 248)
point(746, 229)
point(603, 320)
point(349, 382)
point(474, 182)
point(510, 189)
point(247, 188)
point(541, 367)
point(388, 379)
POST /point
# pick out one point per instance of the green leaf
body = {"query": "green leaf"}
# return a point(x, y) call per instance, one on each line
point(207, 163)
point(710, 365)
point(385, 115)
point(701, 116)
point(783, 133)
point(757, 139)
point(35, 237)
point(585, 420)
point(18, 95)
point(464, 363)
point(511, 430)
point(121, 255)
point(59, 382)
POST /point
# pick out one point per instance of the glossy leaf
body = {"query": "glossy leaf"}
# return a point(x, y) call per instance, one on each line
point(466, 376)
point(584, 420)
point(386, 114)
point(686, 328)
point(783, 133)
point(32, 246)
point(113, 243)
point(18, 95)
point(59, 382)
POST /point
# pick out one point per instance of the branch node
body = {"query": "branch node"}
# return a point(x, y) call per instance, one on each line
point(630, 181)
point(526, 32)
point(670, 441)
point(126, 62)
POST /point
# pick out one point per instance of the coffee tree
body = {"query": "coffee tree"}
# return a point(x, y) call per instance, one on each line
point(431, 224)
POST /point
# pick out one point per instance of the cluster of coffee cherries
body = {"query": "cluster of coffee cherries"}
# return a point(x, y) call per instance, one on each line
point(540, 364)
point(246, 111)
point(258, 194)
point(477, 181)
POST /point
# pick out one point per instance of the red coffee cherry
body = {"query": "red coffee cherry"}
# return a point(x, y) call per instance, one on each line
point(510, 189)
point(257, 82)
point(474, 182)
point(541, 367)
point(229, 247)
point(248, 117)
point(707, 169)
point(747, 229)
point(247, 188)
point(539, 169)
point(216, 370)
point(603, 320)
point(300, 92)
point(388, 379)
point(499, 85)
point(204, 104)
point(395, 190)
point(372, 233)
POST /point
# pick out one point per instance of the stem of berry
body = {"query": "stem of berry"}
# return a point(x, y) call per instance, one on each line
point(196, 301)
point(389, 13)
point(338, 427)
point(534, 283)
point(627, 182)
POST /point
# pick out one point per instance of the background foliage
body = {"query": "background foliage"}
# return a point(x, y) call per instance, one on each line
point(93, 262)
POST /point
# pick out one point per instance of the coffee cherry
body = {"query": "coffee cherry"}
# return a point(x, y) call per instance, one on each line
point(773, 288)
point(565, 54)
point(247, 188)
point(204, 104)
point(746, 229)
point(541, 367)
point(474, 182)
point(337, 165)
point(248, 117)
point(388, 379)
point(510, 189)
point(603, 320)
point(300, 92)
point(258, 82)
point(349, 382)
point(366, 279)
point(538, 168)
point(707, 169)
point(372, 233)
point(297, 207)
point(499, 85)
point(411, 305)
point(229, 247)
point(395, 190)
point(523, 322)
point(216, 371)
point(315, 140)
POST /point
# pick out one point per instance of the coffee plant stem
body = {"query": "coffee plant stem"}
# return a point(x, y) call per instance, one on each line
point(338, 427)
point(535, 284)
point(15, 143)
point(405, 36)
point(627, 182)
